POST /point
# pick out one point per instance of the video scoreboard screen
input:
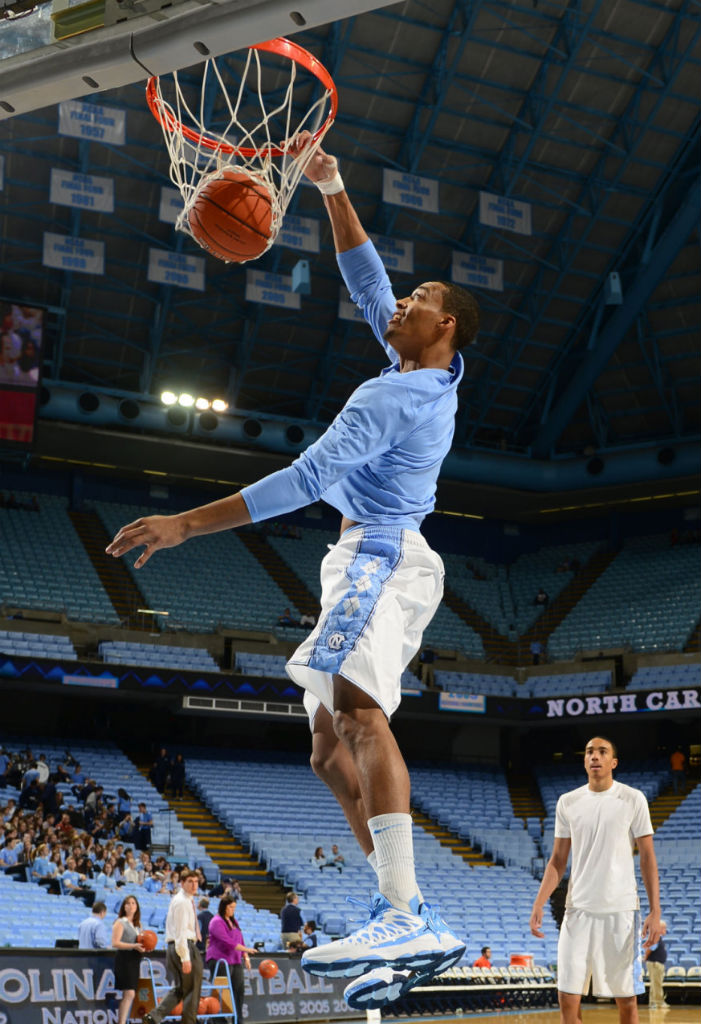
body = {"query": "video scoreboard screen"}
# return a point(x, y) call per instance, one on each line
point(21, 354)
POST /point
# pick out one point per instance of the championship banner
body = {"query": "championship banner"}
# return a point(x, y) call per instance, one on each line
point(409, 190)
point(501, 212)
point(82, 191)
point(478, 271)
point(299, 233)
point(170, 205)
point(476, 703)
point(271, 289)
point(176, 268)
point(66, 253)
point(395, 253)
point(90, 121)
point(348, 310)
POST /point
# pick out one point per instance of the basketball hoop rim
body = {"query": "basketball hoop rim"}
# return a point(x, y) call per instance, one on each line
point(285, 48)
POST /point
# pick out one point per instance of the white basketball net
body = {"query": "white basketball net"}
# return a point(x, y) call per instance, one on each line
point(194, 162)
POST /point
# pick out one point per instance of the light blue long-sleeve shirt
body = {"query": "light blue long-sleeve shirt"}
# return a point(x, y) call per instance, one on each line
point(378, 462)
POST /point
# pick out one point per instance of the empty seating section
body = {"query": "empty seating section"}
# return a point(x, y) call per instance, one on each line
point(566, 683)
point(37, 645)
point(476, 682)
point(284, 813)
point(505, 597)
point(44, 565)
point(271, 666)
point(209, 582)
point(683, 823)
point(447, 631)
point(660, 677)
point(647, 598)
point(192, 659)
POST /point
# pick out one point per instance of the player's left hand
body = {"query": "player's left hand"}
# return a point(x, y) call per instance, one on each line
point(151, 533)
point(321, 167)
point(652, 930)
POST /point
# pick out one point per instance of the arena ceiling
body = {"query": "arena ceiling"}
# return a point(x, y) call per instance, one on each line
point(587, 110)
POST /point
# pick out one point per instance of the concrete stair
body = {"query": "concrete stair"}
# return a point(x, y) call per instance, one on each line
point(447, 838)
point(525, 796)
point(114, 575)
point(295, 590)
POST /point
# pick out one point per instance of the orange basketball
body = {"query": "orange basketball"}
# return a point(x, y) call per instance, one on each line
point(148, 939)
point(202, 1007)
point(267, 968)
point(212, 1005)
point(177, 1011)
point(231, 216)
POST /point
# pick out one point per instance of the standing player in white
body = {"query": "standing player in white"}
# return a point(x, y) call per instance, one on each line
point(600, 934)
point(378, 464)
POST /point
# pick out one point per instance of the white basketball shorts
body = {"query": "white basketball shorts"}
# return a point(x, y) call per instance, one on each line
point(603, 948)
point(380, 588)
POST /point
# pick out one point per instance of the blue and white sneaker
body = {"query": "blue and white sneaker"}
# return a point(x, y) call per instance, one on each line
point(390, 938)
point(383, 985)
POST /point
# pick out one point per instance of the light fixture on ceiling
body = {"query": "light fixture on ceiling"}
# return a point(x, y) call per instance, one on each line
point(168, 397)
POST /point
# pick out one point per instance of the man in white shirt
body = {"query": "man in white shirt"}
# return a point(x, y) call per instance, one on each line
point(183, 958)
point(600, 933)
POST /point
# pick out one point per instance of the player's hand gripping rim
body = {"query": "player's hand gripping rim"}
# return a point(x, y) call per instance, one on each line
point(152, 533)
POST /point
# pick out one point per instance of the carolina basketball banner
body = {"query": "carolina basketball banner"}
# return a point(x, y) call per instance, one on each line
point(348, 310)
point(176, 268)
point(90, 121)
point(299, 233)
point(502, 212)
point(409, 190)
point(271, 289)
point(170, 206)
point(82, 191)
point(65, 253)
point(395, 253)
point(478, 271)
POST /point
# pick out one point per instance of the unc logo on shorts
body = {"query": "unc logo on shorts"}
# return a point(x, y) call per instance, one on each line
point(335, 641)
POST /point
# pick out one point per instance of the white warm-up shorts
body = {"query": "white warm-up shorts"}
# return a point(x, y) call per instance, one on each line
point(603, 948)
point(380, 588)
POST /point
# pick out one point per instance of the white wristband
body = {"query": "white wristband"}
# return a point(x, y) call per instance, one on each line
point(332, 186)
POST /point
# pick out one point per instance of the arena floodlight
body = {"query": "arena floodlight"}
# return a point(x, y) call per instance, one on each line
point(186, 400)
point(219, 405)
point(168, 397)
point(202, 404)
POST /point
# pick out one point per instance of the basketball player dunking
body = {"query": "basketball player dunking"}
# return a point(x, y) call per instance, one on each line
point(378, 464)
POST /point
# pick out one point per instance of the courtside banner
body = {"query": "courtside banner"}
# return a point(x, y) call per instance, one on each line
point(176, 268)
point(502, 212)
point(410, 190)
point(91, 121)
point(299, 233)
point(170, 205)
point(478, 271)
point(85, 255)
point(475, 703)
point(686, 698)
point(271, 289)
point(348, 310)
point(82, 191)
point(395, 253)
point(51, 986)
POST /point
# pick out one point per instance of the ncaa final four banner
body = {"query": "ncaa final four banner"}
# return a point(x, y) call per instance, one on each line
point(77, 987)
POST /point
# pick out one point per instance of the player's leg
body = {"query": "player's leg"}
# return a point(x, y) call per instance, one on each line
point(333, 764)
point(569, 1008)
point(627, 1009)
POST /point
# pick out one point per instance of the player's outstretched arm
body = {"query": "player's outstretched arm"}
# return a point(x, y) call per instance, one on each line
point(156, 532)
point(322, 170)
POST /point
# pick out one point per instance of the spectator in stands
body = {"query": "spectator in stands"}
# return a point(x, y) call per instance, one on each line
point(541, 599)
point(310, 939)
point(291, 922)
point(226, 943)
point(4, 765)
point(183, 959)
point(336, 860)
point(144, 824)
point(677, 762)
point(9, 854)
point(43, 871)
point(204, 916)
point(105, 877)
point(123, 804)
point(160, 770)
point(599, 933)
point(92, 933)
point(177, 776)
point(127, 962)
point(320, 860)
point(126, 829)
point(307, 620)
point(131, 874)
point(286, 619)
point(656, 958)
point(536, 651)
point(10, 809)
point(485, 958)
point(73, 883)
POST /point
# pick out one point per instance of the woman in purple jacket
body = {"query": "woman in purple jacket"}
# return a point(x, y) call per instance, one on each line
point(225, 942)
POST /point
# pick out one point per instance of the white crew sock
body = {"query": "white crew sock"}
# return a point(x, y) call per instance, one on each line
point(394, 860)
